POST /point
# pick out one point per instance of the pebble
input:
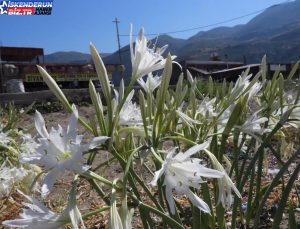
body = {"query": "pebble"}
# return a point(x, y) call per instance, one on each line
point(273, 172)
point(244, 207)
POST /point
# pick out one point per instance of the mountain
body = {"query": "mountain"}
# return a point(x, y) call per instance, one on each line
point(275, 19)
point(70, 58)
point(275, 32)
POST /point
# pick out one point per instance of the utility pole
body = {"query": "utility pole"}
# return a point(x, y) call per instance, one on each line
point(116, 21)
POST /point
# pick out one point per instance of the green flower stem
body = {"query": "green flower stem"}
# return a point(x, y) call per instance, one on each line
point(144, 115)
point(180, 137)
point(258, 152)
point(258, 177)
point(274, 183)
point(91, 158)
point(103, 164)
point(150, 105)
point(99, 190)
point(146, 189)
point(159, 159)
point(128, 165)
point(94, 212)
point(172, 223)
point(84, 124)
point(113, 124)
point(222, 147)
point(196, 217)
point(251, 144)
point(96, 100)
point(238, 173)
point(139, 180)
point(148, 169)
point(207, 199)
point(284, 199)
point(146, 219)
point(220, 216)
point(91, 175)
point(250, 197)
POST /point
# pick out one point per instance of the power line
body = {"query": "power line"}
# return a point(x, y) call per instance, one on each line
point(210, 25)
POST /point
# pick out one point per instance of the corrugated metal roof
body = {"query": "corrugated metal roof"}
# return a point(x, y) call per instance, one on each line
point(237, 68)
point(203, 62)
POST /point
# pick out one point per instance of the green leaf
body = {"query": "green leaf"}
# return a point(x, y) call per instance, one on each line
point(273, 184)
point(55, 88)
point(264, 68)
point(166, 76)
point(96, 100)
point(60, 95)
point(284, 198)
point(210, 86)
point(103, 78)
point(143, 112)
point(235, 115)
point(293, 71)
point(292, 218)
point(101, 72)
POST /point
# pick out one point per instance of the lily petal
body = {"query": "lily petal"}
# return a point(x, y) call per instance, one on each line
point(199, 203)
point(40, 125)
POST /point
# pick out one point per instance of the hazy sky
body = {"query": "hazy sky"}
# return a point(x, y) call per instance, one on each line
point(73, 23)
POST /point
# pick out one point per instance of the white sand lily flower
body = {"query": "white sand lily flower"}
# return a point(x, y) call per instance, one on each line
point(130, 113)
point(60, 150)
point(9, 178)
point(151, 83)
point(206, 108)
point(294, 116)
point(254, 90)
point(4, 139)
point(240, 86)
point(225, 184)
point(144, 59)
point(115, 219)
point(252, 125)
point(223, 119)
point(182, 172)
point(190, 122)
point(28, 145)
point(121, 219)
point(37, 216)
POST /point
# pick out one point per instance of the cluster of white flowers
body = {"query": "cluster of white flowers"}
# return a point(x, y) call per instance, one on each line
point(145, 60)
point(55, 152)
point(10, 177)
point(130, 113)
point(182, 172)
point(37, 216)
point(4, 139)
point(59, 150)
point(151, 83)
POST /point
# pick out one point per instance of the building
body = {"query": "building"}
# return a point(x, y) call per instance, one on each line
point(20, 64)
